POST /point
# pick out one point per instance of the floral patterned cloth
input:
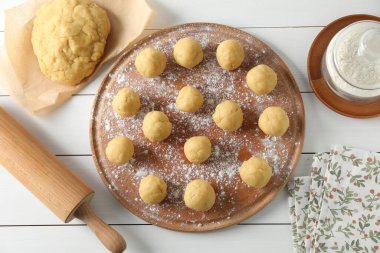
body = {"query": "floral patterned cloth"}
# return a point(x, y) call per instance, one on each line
point(292, 213)
point(300, 199)
point(343, 203)
point(318, 169)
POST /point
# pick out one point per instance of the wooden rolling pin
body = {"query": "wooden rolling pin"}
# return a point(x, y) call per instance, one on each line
point(51, 181)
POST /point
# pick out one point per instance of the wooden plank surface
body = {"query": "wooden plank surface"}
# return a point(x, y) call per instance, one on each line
point(289, 27)
point(264, 13)
point(148, 239)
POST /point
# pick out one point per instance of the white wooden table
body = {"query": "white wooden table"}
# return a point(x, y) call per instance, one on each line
point(289, 27)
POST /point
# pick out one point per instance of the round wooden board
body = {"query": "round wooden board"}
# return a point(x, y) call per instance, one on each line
point(235, 200)
point(319, 85)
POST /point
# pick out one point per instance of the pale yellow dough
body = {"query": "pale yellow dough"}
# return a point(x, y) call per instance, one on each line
point(189, 99)
point(120, 150)
point(68, 38)
point(126, 102)
point(150, 62)
point(228, 116)
point(274, 121)
point(230, 54)
point(256, 172)
point(197, 149)
point(199, 195)
point(261, 79)
point(156, 126)
point(188, 52)
point(152, 189)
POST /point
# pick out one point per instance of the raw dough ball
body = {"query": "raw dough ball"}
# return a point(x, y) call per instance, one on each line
point(261, 79)
point(228, 115)
point(150, 62)
point(197, 149)
point(188, 52)
point(189, 99)
point(120, 150)
point(156, 126)
point(126, 102)
point(255, 172)
point(68, 38)
point(199, 195)
point(152, 189)
point(230, 54)
point(274, 121)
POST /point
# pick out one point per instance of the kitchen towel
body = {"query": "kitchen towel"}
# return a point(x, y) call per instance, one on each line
point(340, 209)
point(300, 195)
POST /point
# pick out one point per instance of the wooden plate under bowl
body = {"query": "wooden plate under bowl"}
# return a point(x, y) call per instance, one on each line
point(235, 200)
point(320, 86)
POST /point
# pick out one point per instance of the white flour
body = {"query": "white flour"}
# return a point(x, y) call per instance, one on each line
point(352, 73)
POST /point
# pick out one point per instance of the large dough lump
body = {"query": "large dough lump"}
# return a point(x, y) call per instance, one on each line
point(68, 38)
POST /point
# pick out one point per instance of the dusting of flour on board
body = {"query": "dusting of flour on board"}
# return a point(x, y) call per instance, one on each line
point(166, 159)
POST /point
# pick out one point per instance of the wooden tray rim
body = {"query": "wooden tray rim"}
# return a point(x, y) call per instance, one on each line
point(243, 214)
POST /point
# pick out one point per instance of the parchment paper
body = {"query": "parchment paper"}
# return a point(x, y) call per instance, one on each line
point(20, 74)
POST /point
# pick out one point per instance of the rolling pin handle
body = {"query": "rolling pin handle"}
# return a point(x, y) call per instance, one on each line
point(110, 238)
